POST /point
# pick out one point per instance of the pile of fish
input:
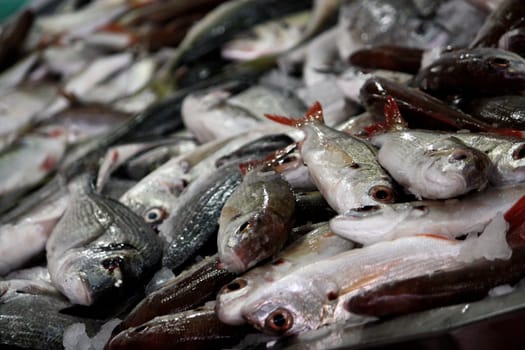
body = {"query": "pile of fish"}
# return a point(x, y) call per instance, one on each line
point(192, 174)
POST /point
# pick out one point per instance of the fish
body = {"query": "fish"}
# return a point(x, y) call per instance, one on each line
point(343, 167)
point(389, 57)
point(24, 328)
point(450, 218)
point(432, 165)
point(505, 15)
point(195, 219)
point(28, 162)
point(99, 246)
point(315, 245)
point(188, 290)
point(192, 329)
point(316, 294)
point(255, 220)
point(488, 71)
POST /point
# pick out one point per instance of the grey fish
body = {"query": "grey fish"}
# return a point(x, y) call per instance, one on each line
point(432, 165)
point(256, 219)
point(99, 246)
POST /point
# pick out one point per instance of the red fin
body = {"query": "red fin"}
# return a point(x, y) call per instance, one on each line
point(314, 114)
point(508, 132)
point(515, 216)
point(249, 165)
point(393, 119)
point(49, 163)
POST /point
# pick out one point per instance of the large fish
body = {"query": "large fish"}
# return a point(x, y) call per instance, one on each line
point(343, 167)
point(99, 246)
point(450, 218)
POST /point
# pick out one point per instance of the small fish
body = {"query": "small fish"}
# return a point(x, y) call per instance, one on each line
point(432, 165)
point(256, 219)
point(451, 218)
point(486, 71)
point(316, 245)
point(344, 168)
point(99, 246)
point(192, 330)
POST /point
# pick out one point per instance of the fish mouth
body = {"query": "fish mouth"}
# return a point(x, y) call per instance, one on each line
point(72, 283)
point(233, 263)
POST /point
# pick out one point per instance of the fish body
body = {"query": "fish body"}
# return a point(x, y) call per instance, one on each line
point(343, 167)
point(432, 165)
point(451, 218)
point(317, 293)
point(99, 246)
point(256, 220)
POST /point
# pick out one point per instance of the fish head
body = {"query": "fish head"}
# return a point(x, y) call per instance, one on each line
point(153, 206)
point(455, 170)
point(231, 299)
point(250, 238)
point(85, 275)
point(497, 64)
point(509, 161)
point(292, 307)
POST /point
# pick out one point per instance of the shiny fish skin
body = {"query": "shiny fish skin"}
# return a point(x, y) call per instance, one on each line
point(99, 246)
point(317, 294)
point(451, 218)
point(316, 245)
point(256, 220)
point(431, 165)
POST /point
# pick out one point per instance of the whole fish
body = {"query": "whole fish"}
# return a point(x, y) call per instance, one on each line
point(192, 330)
point(99, 246)
point(431, 165)
point(343, 167)
point(194, 221)
point(317, 293)
point(316, 245)
point(488, 71)
point(256, 219)
point(189, 289)
point(450, 218)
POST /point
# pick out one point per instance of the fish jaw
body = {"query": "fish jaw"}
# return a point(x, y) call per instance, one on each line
point(73, 286)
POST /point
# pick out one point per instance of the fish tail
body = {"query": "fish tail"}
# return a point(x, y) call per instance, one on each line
point(314, 114)
point(393, 119)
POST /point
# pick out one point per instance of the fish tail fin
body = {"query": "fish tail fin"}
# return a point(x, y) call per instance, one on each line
point(393, 119)
point(313, 114)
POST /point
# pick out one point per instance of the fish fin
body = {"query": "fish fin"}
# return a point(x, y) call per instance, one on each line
point(509, 132)
point(249, 165)
point(515, 216)
point(436, 236)
point(393, 119)
point(313, 114)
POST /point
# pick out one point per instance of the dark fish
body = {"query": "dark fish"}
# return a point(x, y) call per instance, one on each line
point(501, 111)
point(192, 330)
point(487, 71)
point(509, 14)
point(419, 109)
point(99, 247)
point(389, 57)
point(12, 38)
point(190, 289)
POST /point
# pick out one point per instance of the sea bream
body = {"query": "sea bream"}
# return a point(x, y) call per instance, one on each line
point(343, 167)
point(99, 246)
point(451, 218)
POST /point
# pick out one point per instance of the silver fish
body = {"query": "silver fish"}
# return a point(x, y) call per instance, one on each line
point(98, 246)
point(450, 218)
point(432, 165)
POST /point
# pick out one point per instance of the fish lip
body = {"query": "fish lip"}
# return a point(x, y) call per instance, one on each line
point(233, 263)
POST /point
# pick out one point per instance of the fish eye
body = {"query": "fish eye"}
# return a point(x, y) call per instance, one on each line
point(382, 194)
point(458, 155)
point(245, 226)
point(519, 153)
point(279, 321)
point(236, 284)
point(111, 264)
point(499, 62)
point(155, 215)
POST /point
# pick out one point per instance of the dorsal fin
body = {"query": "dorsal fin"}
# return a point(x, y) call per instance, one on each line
point(393, 119)
point(313, 114)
